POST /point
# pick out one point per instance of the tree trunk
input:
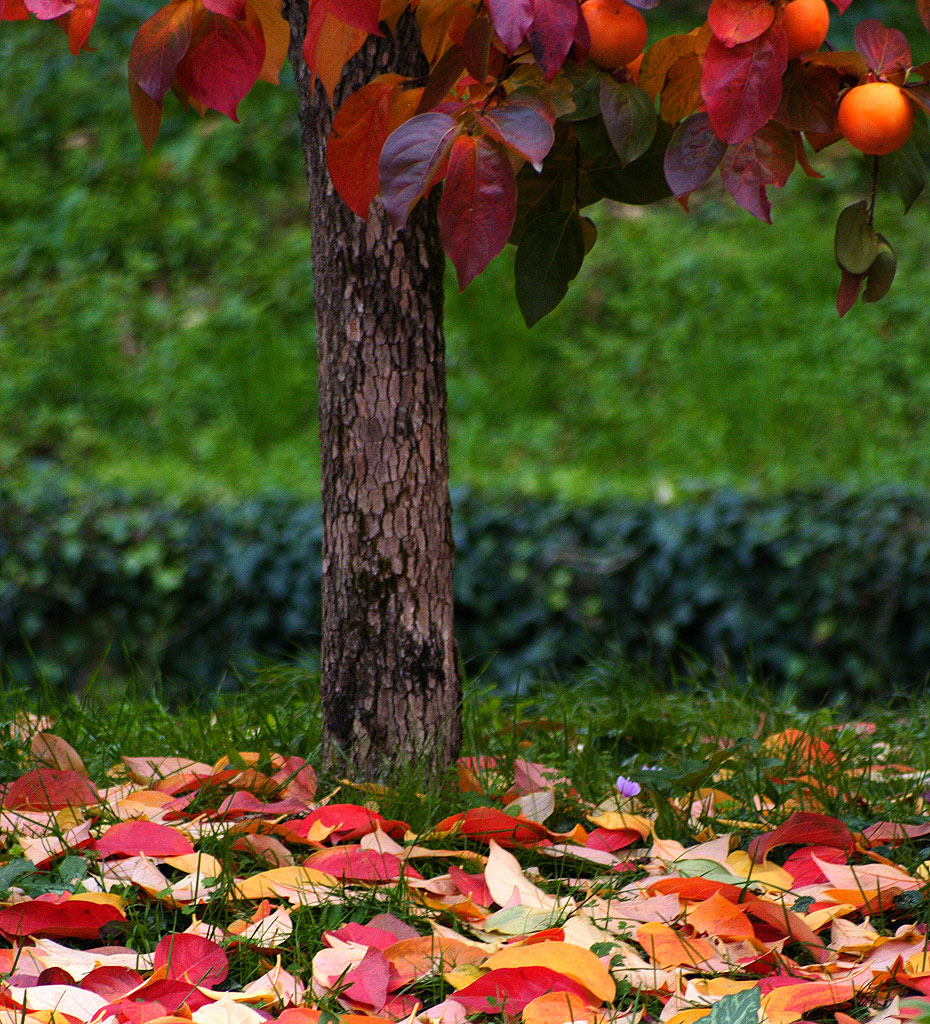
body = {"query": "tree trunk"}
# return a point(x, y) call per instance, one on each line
point(390, 686)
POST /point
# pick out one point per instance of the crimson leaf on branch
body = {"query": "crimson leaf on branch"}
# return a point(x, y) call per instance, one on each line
point(552, 33)
point(767, 158)
point(549, 256)
point(361, 14)
point(158, 47)
point(411, 160)
point(476, 46)
point(693, 154)
point(629, 117)
point(228, 8)
point(511, 20)
point(741, 85)
point(360, 128)
point(808, 102)
point(45, 10)
point(223, 62)
point(524, 129)
point(886, 50)
point(478, 205)
point(739, 21)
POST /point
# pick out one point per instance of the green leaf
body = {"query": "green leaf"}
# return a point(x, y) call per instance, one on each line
point(699, 867)
point(855, 243)
point(629, 118)
point(16, 869)
point(638, 183)
point(880, 275)
point(905, 171)
point(549, 256)
point(737, 1008)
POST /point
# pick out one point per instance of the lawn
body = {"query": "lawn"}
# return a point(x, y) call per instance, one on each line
point(623, 856)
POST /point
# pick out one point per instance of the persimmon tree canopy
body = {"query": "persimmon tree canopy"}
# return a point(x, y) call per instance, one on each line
point(524, 132)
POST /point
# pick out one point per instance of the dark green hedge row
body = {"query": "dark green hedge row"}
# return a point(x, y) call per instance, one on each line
point(828, 589)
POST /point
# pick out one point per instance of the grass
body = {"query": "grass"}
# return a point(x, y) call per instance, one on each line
point(712, 760)
point(156, 319)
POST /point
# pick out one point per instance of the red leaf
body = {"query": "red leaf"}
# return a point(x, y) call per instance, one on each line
point(159, 46)
point(223, 62)
point(886, 50)
point(508, 989)
point(807, 828)
point(612, 839)
point(551, 33)
point(809, 94)
point(48, 789)
point(363, 934)
point(511, 20)
point(741, 85)
point(360, 865)
point(472, 886)
point(767, 158)
point(80, 22)
point(57, 918)
point(147, 113)
point(487, 823)
point(360, 14)
point(192, 959)
point(135, 838)
point(46, 10)
point(13, 10)
point(524, 129)
point(111, 982)
point(739, 21)
point(476, 48)
point(805, 870)
point(850, 286)
point(412, 159)
point(478, 205)
point(359, 131)
point(694, 152)
point(228, 8)
point(366, 984)
point(348, 822)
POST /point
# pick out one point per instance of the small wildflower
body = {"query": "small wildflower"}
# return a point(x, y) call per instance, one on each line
point(627, 787)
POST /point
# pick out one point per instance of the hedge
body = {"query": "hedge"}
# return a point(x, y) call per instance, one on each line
point(829, 590)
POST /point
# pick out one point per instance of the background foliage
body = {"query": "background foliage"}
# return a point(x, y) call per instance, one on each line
point(827, 590)
point(155, 332)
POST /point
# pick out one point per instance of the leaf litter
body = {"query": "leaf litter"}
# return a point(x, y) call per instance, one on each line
point(180, 892)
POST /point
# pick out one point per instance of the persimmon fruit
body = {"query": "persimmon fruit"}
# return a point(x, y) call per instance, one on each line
point(806, 23)
point(876, 117)
point(618, 32)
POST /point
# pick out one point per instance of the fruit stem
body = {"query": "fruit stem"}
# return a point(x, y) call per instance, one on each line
point(874, 194)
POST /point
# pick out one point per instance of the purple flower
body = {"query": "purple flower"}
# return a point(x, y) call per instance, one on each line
point(627, 787)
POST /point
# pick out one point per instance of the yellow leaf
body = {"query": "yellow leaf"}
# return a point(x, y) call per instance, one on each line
point(435, 18)
point(200, 863)
point(616, 820)
point(689, 1016)
point(574, 962)
point(769, 874)
point(277, 35)
point(462, 976)
point(264, 884)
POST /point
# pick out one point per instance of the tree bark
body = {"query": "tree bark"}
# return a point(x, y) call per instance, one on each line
point(390, 685)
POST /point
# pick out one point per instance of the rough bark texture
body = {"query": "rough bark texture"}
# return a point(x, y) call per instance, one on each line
point(390, 684)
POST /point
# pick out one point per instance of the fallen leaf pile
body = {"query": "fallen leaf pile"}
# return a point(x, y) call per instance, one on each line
point(788, 916)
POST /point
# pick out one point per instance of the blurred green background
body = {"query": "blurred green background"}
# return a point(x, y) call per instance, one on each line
point(156, 314)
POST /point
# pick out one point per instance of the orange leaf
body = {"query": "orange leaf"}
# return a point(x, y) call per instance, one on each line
point(791, 1002)
point(360, 128)
point(718, 916)
point(52, 751)
point(412, 959)
point(667, 948)
point(565, 958)
point(328, 45)
point(558, 1008)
